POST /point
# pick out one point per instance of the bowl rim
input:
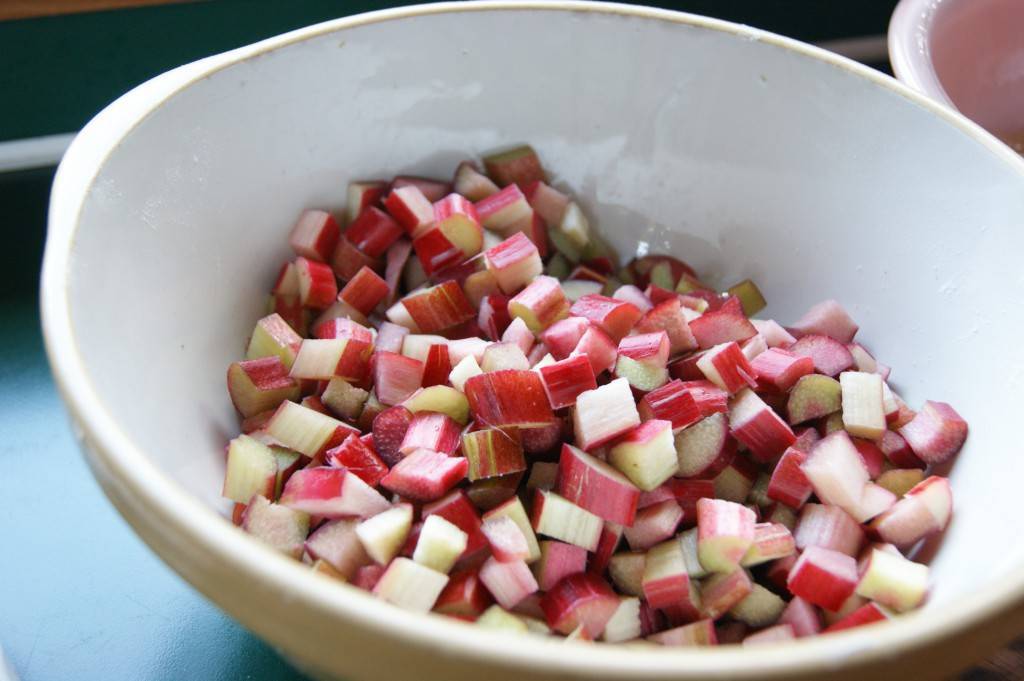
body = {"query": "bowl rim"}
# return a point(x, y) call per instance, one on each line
point(910, 47)
point(122, 468)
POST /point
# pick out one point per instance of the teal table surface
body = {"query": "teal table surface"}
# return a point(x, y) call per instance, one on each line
point(81, 597)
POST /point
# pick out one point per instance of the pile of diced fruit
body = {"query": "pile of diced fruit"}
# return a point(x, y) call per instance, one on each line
point(461, 405)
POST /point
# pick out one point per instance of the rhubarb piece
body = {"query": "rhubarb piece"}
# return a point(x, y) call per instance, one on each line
point(488, 493)
point(464, 596)
point(750, 297)
point(774, 335)
point(491, 453)
point(598, 348)
point(924, 510)
point(581, 599)
point(547, 202)
point(331, 493)
point(823, 577)
point(725, 533)
point(705, 448)
point(384, 534)
point(873, 501)
point(614, 317)
point(724, 325)
point(251, 470)
point(519, 334)
point(395, 377)
point(442, 400)
point(279, 526)
point(359, 458)
point(788, 484)
point(373, 231)
point(642, 360)
point(410, 586)
point(425, 475)
point(671, 402)
point(337, 544)
point(754, 424)
point(611, 537)
point(827, 318)
point(437, 365)
point(665, 582)
point(770, 635)
point(389, 429)
point(863, 415)
point(347, 260)
point(736, 479)
point(626, 571)
point(463, 371)
point(627, 292)
point(813, 396)
point(457, 509)
point(499, 619)
point(317, 286)
point(836, 471)
point(365, 290)
point(653, 524)
point(624, 624)
point(646, 455)
point(504, 356)
point(439, 307)
point(721, 592)
point(761, 608)
point(726, 366)
point(829, 355)
point(603, 414)
point(435, 252)
point(314, 235)
point(471, 183)
point(344, 399)
point(515, 262)
point(595, 486)
point(936, 433)
point(558, 518)
point(500, 212)
point(440, 544)
point(899, 481)
point(865, 614)
point(829, 527)
point(893, 581)
point(771, 542)
point(700, 633)
point(411, 209)
point(562, 337)
point(273, 336)
point(574, 227)
point(434, 190)
point(433, 431)
point(325, 358)
point(493, 316)
point(458, 222)
point(520, 166)
point(508, 543)
point(363, 194)
point(780, 368)
point(802, 617)
point(513, 510)
point(508, 582)
point(258, 385)
point(306, 431)
point(540, 304)
point(566, 380)
point(509, 399)
point(668, 316)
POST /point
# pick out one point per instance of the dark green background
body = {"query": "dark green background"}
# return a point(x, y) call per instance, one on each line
point(80, 596)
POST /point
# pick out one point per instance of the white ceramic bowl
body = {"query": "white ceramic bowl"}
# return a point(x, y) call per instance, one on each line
point(743, 152)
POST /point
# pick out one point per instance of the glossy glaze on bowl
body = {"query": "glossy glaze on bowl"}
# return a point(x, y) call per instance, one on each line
point(744, 153)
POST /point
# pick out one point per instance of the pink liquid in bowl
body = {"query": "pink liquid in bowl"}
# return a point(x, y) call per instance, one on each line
point(969, 53)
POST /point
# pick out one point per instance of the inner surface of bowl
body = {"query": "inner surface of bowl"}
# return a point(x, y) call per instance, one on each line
point(977, 48)
point(741, 156)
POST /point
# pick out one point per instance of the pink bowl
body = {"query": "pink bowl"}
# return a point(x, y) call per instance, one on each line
point(968, 54)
